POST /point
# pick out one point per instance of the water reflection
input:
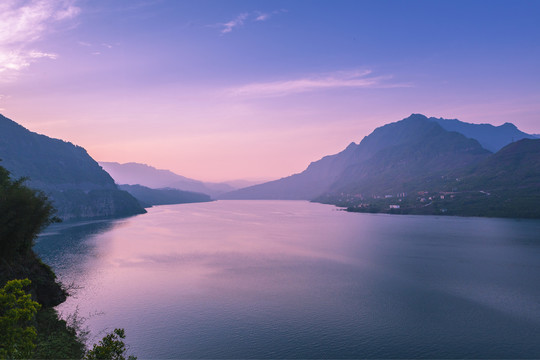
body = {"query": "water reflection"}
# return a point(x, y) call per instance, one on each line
point(66, 246)
point(274, 279)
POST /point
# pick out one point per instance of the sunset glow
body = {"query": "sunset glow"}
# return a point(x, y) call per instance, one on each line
point(220, 90)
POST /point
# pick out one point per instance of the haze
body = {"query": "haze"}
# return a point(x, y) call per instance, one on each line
point(219, 90)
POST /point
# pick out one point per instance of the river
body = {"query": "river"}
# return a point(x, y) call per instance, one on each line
point(275, 279)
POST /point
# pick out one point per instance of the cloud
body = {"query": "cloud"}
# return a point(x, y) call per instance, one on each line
point(239, 21)
point(336, 80)
point(260, 16)
point(236, 22)
point(23, 23)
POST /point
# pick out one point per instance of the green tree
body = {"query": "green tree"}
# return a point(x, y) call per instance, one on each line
point(111, 347)
point(17, 315)
point(24, 213)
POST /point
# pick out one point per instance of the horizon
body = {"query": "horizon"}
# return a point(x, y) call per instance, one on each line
point(219, 91)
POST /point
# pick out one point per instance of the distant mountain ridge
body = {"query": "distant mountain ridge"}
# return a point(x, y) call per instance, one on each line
point(77, 185)
point(400, 158)
point(141, 174)
point(166, 196)
point(492, 138)
point(322, 174)
point(505, 184)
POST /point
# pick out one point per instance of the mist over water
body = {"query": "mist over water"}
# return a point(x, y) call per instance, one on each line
point(267, 279)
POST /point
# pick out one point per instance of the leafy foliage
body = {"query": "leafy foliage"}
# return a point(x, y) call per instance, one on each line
point(17, 315)
point(111, 347)
point(57, 339)
point(24, 213)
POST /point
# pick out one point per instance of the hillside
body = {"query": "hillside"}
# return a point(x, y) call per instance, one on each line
point(339, 170)
point(504, 184)
point(145, 175)
point(492, 138)
point(516, 166)
point(415, 166)
point(76, 184)
point(166, 196)
point(428, 151)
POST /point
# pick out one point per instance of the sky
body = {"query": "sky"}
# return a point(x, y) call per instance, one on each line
point(218, 90)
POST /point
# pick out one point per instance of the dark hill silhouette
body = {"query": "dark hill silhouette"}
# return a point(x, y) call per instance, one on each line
point(77, 185)
point(149, 197)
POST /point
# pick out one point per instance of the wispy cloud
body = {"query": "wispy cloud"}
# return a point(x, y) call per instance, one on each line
point(24, 22)
point(335, 80)
point(239, 20)
point(261, 16)
point(236, 22)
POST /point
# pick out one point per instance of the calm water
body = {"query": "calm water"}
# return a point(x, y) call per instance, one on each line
point(272, 279)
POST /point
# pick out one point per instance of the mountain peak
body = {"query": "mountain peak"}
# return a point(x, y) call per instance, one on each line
point(352, 145)
point(414, 116)
point(508, 125)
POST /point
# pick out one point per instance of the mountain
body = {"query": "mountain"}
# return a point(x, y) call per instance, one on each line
point(399, 137)
point(424, 151)
point(303, 186)
point(242, 183)
point(516, 167)
point(505, 184)
point(142, 174)
point(392, 158)
point(149, 197)
point(490, 137)
point(76, 184)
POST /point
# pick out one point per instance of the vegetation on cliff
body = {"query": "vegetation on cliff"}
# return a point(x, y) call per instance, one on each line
point(29, 325)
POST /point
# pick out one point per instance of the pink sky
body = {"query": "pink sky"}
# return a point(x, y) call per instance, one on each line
point(255, 90)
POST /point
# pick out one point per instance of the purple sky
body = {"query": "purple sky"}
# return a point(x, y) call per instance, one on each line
point(219, 90)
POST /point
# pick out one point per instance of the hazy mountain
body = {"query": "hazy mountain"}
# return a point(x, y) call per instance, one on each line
point(322, 174)
point(304, 186)
point(77, 185)
point(142, 174)
point(391, 154)
point(516, 167)
point(148, 197)
point(504, 184)
point(425, 151)
point(490, 137)
point(242, 183)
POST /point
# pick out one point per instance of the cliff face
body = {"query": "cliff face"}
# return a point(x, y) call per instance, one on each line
point(75, 183)
point(44, 288)
point(78, 204)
